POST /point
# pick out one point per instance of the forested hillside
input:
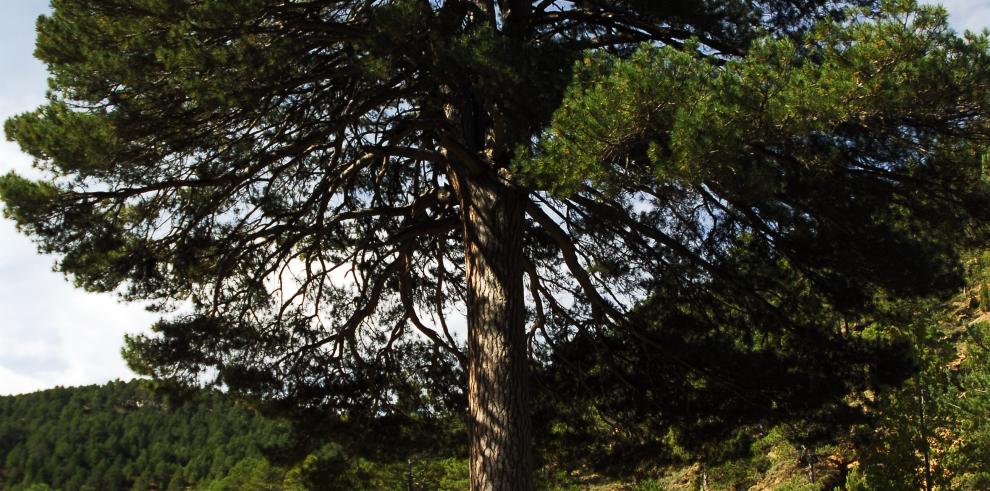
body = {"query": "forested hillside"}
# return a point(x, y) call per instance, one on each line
point(116, 437)
point(119, 436)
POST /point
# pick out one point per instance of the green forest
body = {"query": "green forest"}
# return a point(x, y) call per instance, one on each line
point(508, 245)
point(119, 436)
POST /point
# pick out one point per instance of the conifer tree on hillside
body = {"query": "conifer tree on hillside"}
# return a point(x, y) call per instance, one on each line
point(326, 180)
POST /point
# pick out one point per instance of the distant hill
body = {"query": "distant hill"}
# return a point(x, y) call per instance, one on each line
point(117, 437)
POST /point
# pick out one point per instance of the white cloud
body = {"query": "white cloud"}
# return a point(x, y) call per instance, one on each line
point(967, 14)
point(53, 334)
point(50, 333)
point(16, 383)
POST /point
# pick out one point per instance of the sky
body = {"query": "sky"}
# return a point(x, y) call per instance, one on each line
point(53, 334)
point(50, 333)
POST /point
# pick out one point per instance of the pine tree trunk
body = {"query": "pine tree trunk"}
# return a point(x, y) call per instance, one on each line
point(498, 389)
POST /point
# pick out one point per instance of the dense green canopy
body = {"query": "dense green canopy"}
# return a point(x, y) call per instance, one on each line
point(799, 195)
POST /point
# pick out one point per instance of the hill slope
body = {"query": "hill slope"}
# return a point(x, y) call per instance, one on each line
point(116, 437)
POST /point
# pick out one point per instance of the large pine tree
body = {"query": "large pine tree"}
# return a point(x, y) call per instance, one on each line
point(317, 184)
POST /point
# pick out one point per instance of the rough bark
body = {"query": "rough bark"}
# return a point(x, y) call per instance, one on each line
point(498, 394)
